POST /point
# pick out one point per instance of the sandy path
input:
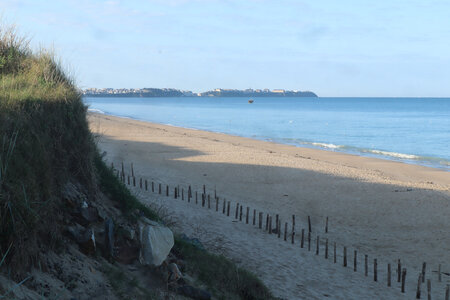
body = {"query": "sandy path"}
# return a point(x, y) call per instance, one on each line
point(384, 209)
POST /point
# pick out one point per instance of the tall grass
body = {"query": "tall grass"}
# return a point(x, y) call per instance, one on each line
point(44, 142)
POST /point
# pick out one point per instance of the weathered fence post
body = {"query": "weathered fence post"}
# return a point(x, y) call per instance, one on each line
point(260, 215)
point(334, 253)
point(429, 289)
point(326, 248)
point(182, 194)
point(159, 190)
point(447, 292)
point(326, 226)
point(309, 223)
point(146, 185)
point(209, 202)
point(246, 215)
point(175, 194)
point(399, 271)
point(355, 261)
point(302, 241)
point(389, 275)
point(279, 228)
point(224, 205)
point(254, 217)
point(375, 270)
point(237, 211)
point(424, 267)
point(196, 197)
point(153, 187)
point(419, 282)
point(228, 208)
point(439, 273)
point(366, 265)
point(293, 229)
point(309, 241)
point(167, 190)
point(217, 204)
point(132, 170)
point(317, 245)
point(345, 256)
point(403, 279)
point(267, 222)
point(270, 225)
point(240, 213)
point(128, 179)
point(285, 231)
point(140, 183)
point(134, 181)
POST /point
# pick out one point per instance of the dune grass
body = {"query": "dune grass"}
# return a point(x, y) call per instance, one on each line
point(44, 142)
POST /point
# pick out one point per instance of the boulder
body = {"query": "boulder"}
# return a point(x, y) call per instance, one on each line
point(156, 242)
point(194, 293)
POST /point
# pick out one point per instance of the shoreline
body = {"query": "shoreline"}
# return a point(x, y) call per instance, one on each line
point(410, 159)
point(387, 210)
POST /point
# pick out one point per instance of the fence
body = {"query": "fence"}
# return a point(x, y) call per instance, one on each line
point(274, 226)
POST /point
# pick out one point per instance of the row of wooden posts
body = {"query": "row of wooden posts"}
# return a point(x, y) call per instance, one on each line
point(274, 227)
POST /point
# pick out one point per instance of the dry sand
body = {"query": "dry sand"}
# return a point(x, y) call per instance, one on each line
point(385, 209)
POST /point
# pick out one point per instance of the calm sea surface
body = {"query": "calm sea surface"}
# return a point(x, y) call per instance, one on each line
point(411, 130)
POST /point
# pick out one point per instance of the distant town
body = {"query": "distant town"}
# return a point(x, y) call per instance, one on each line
point(154, 92)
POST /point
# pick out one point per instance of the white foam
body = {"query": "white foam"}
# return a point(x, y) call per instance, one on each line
point(331, 146)
point(98, 111)
point(394, 154)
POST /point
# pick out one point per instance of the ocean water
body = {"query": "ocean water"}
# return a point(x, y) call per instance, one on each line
point(411, 130)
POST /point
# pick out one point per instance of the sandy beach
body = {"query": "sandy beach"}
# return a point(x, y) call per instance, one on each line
point(387, 210)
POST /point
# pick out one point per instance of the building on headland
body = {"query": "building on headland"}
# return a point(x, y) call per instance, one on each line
point(218, 92)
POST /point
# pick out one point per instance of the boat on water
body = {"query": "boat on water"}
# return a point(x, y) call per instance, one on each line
point(250, 101)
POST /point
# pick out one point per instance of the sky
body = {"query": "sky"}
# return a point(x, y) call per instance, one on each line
point(383, 48)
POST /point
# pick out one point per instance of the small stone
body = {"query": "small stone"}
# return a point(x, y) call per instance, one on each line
point(174, 273)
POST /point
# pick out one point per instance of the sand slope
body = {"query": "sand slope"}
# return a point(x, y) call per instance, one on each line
point(384, 209)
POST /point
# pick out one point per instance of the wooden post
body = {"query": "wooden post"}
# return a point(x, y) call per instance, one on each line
point(134, 181)
point(285, 231)
point(429, 289)
point(279, 228)
point(209, 202)
point(293, 229)
point(355, 261)
point(217, 204)
point(112, 165)
point(326, 248)
point(302, 241)
point(246, 215)
point(375, 270)
point(267, 222)
point(132, 170)
point(345, 256)
point(123, 170)
point(237, 211)
point(215, 193)
point(196, 197)
point(203, 200)
point(153, 187)
point(240, 213)
point(254, 217)
point(309, 241)
point(277, 218)
point(182, 194)
point(175, 193)
point(128, 179)
point(418, 286)
point(334, 253)
point(366, 265)
point(317, 245)
point(326, 226)
point(228, 208)
point(447, 292)
point(260, 220)
point(224, 205)
point(439, 273)
point(167, 190)
point(140, 183)
point(403, 279)
point(270, 225)
point(399, 271)
point(146, 185)
point(189, 192)
point(309, 223)
point(389, 275)
point(204, 189)
point(424, 267)
point(159, 190)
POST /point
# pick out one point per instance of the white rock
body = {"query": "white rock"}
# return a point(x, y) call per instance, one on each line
point(156, 243)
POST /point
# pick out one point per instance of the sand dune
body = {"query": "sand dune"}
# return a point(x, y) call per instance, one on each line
point(385, 209)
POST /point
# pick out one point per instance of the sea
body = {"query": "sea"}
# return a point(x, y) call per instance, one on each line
point(410, 130)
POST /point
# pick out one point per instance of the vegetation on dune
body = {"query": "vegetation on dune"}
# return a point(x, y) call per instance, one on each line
point(44, 142)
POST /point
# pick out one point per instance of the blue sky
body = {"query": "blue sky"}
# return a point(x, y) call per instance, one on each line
point(334, 48)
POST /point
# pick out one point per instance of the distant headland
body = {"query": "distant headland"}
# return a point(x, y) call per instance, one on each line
point(154, 92)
